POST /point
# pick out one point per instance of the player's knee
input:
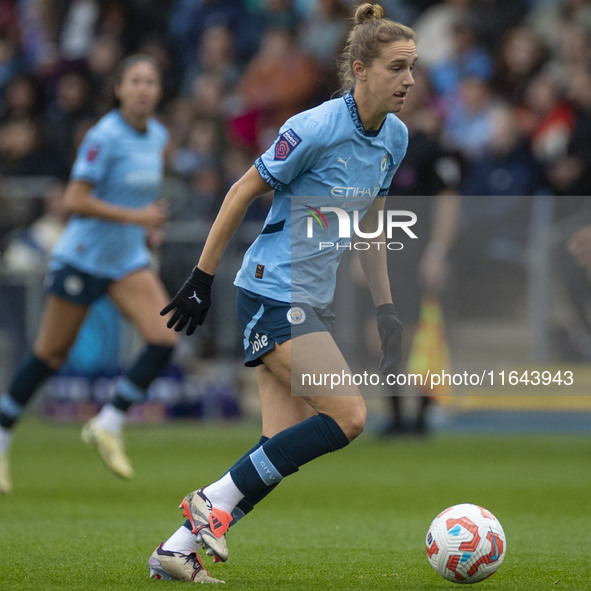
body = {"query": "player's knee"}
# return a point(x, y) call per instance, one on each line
point(353, 421)
point(357, 423)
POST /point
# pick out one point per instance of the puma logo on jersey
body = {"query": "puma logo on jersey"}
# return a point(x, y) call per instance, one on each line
point(195, 297)
point(345, 162)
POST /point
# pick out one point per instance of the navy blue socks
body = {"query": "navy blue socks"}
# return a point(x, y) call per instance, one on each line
point(263, 466)
point(284, 453)
point(132, 387)
point(30, 374)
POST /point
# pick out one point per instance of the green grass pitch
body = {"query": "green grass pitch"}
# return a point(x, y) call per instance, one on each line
point(355, 519)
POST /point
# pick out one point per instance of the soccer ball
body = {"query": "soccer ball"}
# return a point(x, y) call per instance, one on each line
point(466, 543)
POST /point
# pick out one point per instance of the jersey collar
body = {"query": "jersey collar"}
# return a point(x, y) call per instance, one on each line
point(353, 111)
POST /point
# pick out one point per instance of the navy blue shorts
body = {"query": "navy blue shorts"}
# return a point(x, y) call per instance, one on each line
point(76, 286)
point(265, 321)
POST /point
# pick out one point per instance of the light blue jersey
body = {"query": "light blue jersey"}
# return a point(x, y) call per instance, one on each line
point(125, 168)
point(322, 158)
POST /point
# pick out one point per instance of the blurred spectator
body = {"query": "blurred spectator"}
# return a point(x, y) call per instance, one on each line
point(70, 106)
point(105, 54)
point(322, 36)
point(467, 60)
point(27, 249)
point(22, 152)
point(153, 44)
point(200, 150)
point(548, 118)
point(571, 52)
point(521, 57)
point(209, 96)
point(214, 55)
point(468, 126)
point(506, 167)
point(176, 115)
point(493, 18)
point(78, 28)
point(22, 98)
point(572, 264)
point(9, 59)
point(570, 173)
point(434, 28)
point(38, 28)
point(579, 246)
point(236, 161)
point(279, 81)
point(8, 14)
point(204, 196)
point(189, 19)
point(508, 174)
point(280, 14)
point(546, 17)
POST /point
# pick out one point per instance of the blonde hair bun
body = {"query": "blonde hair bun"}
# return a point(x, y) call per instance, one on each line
point(368, 12)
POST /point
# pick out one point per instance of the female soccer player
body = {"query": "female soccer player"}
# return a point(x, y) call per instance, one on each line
point(341, 154)
point(111, 194)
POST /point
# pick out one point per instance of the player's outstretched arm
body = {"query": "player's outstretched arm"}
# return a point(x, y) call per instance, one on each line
point(242, 193)
point(191, 303)
point(79, 199)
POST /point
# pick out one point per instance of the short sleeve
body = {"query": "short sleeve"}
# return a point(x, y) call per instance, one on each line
point(92, 158)
point(295, 151)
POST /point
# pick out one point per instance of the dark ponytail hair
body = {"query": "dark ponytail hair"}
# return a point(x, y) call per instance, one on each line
point(126, 64)
point(132, 60)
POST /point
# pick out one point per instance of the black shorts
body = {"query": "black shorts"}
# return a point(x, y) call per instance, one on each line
point(74, 285)
point(265, 321)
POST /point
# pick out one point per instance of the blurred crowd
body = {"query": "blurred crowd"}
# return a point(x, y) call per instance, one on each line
point(503, 90)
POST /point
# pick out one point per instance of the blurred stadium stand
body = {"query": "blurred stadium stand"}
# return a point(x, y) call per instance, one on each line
point(504, 86)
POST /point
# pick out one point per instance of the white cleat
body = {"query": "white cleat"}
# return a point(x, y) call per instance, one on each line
point(5, 482)
point(110, 448)
point(167, 565)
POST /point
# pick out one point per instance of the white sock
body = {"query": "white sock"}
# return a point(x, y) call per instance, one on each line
point(111, 418)
point(223, 493)
point(182, 540)
point(5, 440)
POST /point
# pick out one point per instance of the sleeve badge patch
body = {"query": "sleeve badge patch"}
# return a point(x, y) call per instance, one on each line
point(288, 141)
point(92, 152)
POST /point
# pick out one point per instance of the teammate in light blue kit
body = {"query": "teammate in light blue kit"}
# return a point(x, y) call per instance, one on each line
point(341, 154)
point(111, 196)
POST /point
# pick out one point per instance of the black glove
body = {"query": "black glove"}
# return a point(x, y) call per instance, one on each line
point(390, 329)
point(191, 302)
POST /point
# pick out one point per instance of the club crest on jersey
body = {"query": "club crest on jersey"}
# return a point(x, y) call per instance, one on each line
point(288, 141)
point(93, 152)
point(384, 164)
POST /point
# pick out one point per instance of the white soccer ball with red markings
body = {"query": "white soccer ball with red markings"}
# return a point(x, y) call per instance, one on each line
point(466, 543)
